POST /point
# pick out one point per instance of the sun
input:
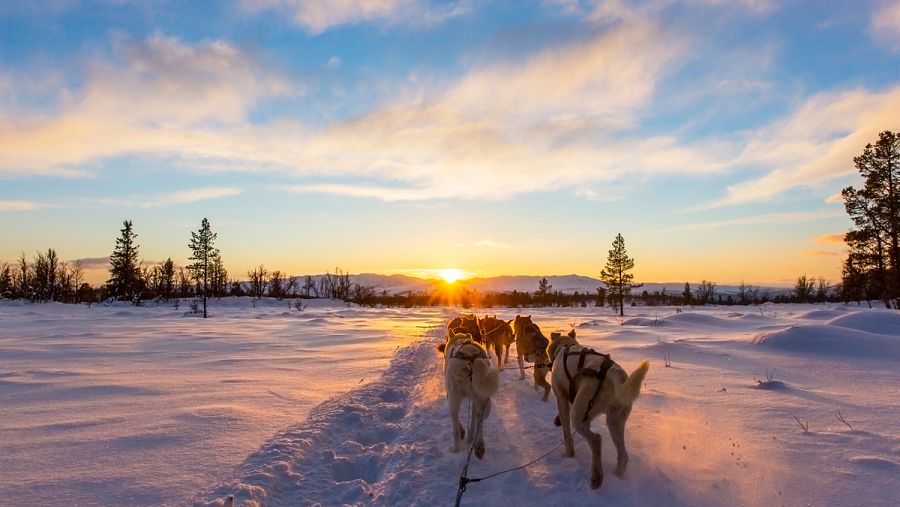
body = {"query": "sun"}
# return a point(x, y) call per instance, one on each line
point(450, 275)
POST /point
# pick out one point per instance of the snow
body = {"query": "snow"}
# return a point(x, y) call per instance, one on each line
point(344, 405)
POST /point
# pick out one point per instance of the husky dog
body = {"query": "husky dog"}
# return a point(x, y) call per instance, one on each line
point(586, 384)
point(468, 374)
point(466, 324)
point(498, 335)
point(531, 346)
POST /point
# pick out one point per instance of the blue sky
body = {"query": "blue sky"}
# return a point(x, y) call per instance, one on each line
point(411, 135)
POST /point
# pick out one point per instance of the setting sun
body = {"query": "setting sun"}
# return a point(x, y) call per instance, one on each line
point(450, 275)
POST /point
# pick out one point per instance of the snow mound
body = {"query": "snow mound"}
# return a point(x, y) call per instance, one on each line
point(873, 321)
point(643, 321)
point(832, 340)
point(699, 319)
point(820, 314)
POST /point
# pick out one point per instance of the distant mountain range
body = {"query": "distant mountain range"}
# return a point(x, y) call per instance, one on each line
point(397, 284)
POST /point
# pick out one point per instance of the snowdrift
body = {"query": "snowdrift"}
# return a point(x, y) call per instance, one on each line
point(874, 321)
point(832, 340)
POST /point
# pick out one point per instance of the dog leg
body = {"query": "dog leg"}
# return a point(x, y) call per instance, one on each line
point(498, 348)
point(480, 415)
point(521, 365)
point(472, 422)
point(583, 427)
point(506, 357)
point(615, 421)
point(540, 380)
point(458, 431)
point(562, 407)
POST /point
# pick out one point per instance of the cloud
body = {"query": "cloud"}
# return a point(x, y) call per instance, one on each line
point(93, 262)
point(189, 196)
point(885, 23)
point(19, 206)
point(819, 253)
point(565, 117)
point(767, 218)
point(830, 239)
point(814, 144)
point(619, 10)
point(156, 95)
point(316, 16)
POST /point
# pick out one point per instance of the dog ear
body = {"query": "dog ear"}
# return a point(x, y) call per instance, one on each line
point(555, 336)
point(572, 334)
point(441, 347)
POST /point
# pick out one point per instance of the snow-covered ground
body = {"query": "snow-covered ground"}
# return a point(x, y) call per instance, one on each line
point(340, 405)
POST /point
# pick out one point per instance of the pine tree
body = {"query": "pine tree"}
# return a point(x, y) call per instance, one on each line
point(875, 211)
point(167, 282)
point(202, 244)
point(686, 295)
point(615, 275)
point(125, 281)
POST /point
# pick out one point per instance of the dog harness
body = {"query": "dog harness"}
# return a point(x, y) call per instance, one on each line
point(458, 352)
point(581, 371)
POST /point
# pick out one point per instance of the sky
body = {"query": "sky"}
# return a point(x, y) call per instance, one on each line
point(403, 136)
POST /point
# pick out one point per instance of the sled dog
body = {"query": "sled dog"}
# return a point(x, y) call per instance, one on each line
point(497, 334)
point(531, 346)
point(586, 384)
point(468, 374)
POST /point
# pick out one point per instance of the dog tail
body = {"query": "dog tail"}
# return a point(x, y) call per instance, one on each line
point(485, 380)
point(629, 391)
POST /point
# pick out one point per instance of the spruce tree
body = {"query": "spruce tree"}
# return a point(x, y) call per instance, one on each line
point(202, 244)
point(616, 276)
point(125, 281)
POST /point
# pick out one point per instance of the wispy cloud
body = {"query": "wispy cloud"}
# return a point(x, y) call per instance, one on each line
point(189, 196)
point(158, 95)
point(767, 218)
point(886, 23)
point(18, 206)
point(316, 16)
point(813, 144)
point(618, 10)
point(830, 239)
point(819, 253)
point(93, 262)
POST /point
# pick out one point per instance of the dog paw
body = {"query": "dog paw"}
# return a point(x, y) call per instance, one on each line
point(479, 450)
point(596, 479)
point(556, 421)
point(620, 472)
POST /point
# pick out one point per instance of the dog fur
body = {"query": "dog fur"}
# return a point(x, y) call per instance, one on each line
point(615, 399)
point(531, 346)
point(468, 374)
point(497, 334)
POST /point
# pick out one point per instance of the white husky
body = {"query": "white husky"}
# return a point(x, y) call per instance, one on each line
point(468, 374)
point(586, 384)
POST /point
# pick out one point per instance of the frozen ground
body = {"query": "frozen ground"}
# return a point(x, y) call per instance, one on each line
point(143, 406)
